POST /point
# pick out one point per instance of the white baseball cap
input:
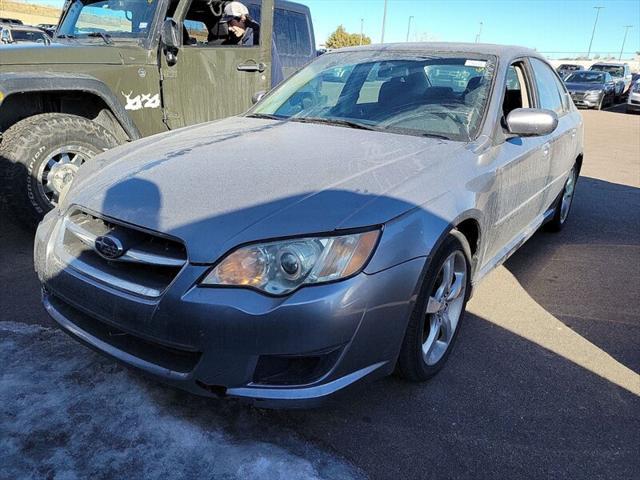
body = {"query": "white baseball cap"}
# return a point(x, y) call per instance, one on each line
point(234, 9)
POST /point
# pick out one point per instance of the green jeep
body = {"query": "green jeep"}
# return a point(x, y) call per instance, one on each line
point(120, 70)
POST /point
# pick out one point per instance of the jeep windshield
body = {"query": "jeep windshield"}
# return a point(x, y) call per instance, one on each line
point(104, 19)
point(399, 92)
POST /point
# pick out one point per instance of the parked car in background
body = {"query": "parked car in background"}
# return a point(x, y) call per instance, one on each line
point(566, 68)
point(620, 72)
point(50, 28)
point(102, 83)
point(633, 101)
point(591, 89)
point(13, 21)
point(331, 234)
point(13, 33)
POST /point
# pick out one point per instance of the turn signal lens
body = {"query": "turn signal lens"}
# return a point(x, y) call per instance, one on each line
point(280, 267)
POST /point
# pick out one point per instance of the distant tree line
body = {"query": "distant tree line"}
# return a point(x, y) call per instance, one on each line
point(341, 38)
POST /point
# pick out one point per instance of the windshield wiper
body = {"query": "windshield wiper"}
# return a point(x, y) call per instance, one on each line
point(104, 36)
point(334, 121)
point(268, 116)
point(66, 35)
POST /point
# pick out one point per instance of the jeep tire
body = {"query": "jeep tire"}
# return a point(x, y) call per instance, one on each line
point(40, 155)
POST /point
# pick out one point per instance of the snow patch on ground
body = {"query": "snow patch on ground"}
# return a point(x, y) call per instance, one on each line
point(68, 413)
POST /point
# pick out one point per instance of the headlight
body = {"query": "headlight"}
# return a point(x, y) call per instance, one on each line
point(592, 93)
point(282, 266)
point(636, 87)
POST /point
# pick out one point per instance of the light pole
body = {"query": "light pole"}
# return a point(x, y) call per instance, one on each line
point(361, 29)
point(479, 33)
point(409, 26)
point(624, 39)
point(594, 30)
point(384, 21)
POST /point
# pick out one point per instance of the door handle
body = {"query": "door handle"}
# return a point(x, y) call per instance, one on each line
point(251, 67)
point(573, 132)
point(545, 149)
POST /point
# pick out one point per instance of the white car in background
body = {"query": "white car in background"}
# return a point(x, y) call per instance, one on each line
point(633, 99)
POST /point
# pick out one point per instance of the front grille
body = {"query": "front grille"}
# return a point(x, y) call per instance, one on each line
point(148, 263)
point(577, 96)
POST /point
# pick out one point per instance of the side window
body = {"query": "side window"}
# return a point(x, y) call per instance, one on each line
point(516, 93)
point(549, 90)
point(235, 25)
point(291, 31)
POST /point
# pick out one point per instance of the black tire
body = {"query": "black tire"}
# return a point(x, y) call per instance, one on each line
point(25, 147)
point(558, 222)
point(411, 364)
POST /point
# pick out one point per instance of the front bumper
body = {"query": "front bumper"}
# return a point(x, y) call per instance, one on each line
point(231, 342)
point(586, 102)
point(633, 102)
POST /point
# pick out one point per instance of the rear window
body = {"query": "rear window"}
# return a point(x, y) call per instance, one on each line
point(291, 31)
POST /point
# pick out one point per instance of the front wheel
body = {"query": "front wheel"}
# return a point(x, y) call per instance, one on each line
point(40, 157)
point(435, 321)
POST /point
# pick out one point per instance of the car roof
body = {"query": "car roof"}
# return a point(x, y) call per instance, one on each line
point(612, 64)
point(24, 27)
point(501, 51)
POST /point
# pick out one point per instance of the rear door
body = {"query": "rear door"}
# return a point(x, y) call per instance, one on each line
point(210, 80)
point(552, 95)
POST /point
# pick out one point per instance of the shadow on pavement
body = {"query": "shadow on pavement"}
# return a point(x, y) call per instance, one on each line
point(588, 276)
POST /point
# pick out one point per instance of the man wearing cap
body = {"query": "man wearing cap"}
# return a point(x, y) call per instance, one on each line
point(243, 30)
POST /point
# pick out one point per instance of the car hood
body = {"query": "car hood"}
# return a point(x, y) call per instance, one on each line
point(583, 87)
point(218, 185)
point(58, 53)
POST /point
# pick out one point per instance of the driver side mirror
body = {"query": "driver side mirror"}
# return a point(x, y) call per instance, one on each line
point(258, 96)
point(531, 122)
point(171, 40)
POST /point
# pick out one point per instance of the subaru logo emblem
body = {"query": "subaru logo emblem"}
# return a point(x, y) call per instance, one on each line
point(108, 247)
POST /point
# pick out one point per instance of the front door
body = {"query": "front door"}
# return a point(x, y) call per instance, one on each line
point(522, 169)
point(212, 79)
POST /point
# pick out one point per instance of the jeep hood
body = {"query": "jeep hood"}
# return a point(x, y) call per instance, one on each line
point(58, 53)
point(221, 184)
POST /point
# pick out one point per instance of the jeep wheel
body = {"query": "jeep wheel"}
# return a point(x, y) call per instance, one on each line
point(41, 155)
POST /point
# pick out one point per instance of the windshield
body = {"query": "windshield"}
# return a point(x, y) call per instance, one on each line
point(28, 36)
point(613, 70)
point(113, 18)
point(399, 92)
point(586, 77)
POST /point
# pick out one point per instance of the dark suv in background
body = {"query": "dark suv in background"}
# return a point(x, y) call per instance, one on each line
point(620, 72)
point(591, 89)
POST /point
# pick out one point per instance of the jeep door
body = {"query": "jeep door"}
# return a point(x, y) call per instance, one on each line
point(210, 79)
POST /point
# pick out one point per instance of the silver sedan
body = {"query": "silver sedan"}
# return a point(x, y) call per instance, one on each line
point(331, 234)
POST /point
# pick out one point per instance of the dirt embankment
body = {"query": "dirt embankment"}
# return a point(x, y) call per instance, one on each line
point(30, 14)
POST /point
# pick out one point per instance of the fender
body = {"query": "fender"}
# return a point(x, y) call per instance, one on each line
point(22, 82)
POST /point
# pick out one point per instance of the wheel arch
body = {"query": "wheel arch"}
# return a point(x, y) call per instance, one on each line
point(26, 94)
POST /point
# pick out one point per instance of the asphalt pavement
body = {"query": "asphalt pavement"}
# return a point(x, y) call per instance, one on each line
point(544, 379)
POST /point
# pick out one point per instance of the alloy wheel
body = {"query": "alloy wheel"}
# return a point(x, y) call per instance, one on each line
point(567, 196)
point(444, 308)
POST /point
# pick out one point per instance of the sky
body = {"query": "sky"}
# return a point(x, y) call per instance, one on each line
point(556, 28)
point(553, 27)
